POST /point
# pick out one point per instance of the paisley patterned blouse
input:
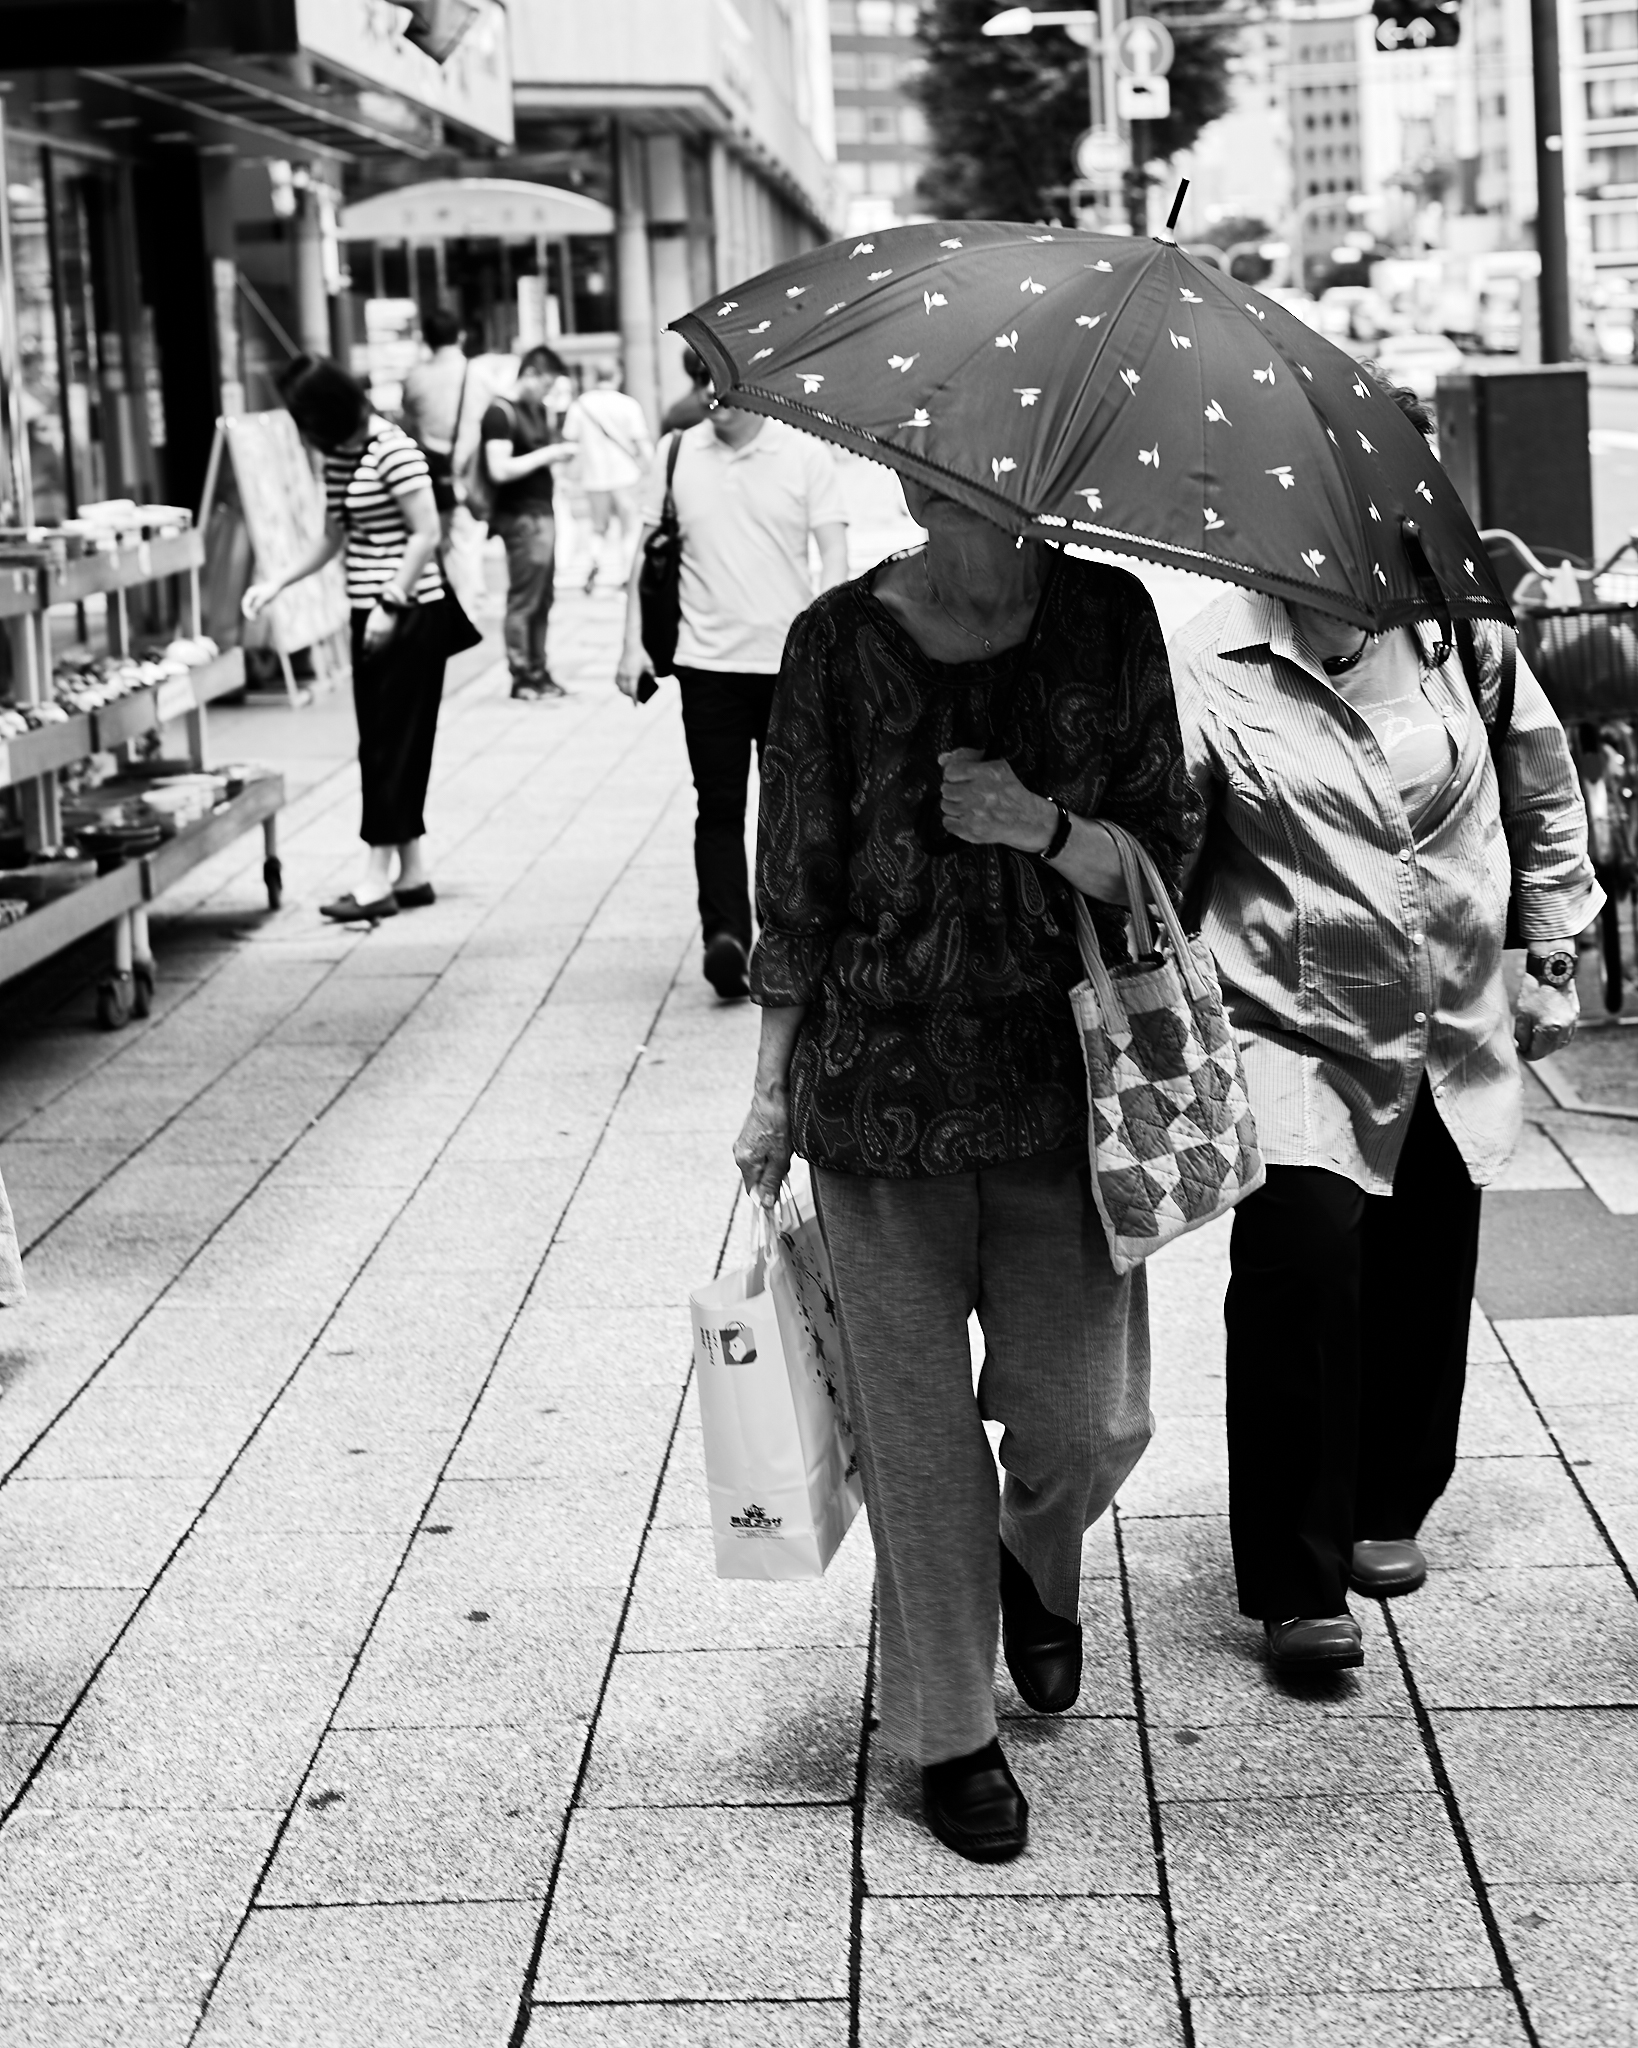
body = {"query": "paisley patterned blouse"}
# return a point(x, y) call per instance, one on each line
point(938, 1037)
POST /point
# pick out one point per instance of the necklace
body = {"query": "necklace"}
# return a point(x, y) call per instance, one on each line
point(971, 632)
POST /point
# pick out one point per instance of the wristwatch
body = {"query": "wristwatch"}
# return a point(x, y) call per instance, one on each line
point(1060, 832)
point(1552, 970)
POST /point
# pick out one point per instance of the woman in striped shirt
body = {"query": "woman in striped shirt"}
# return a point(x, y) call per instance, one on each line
point(379, 507)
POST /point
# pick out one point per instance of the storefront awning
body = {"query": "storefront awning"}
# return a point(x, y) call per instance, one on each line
point(444, 209)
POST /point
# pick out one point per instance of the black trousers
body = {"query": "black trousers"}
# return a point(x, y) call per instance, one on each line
point(396, 695)
point(723, 716)
point(1347, 1323)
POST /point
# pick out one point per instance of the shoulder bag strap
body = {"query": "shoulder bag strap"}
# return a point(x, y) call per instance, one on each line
point(668, 510)
point(1467, 645)
point(460, 405)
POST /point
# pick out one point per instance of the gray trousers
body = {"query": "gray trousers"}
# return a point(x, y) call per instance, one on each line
point(1066, 1371)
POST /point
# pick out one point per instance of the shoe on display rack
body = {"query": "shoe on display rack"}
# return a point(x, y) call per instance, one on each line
point(725, 964)
point(974, 1806)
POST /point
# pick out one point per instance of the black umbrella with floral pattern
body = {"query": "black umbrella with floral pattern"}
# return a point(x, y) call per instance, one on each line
point(1112, 392)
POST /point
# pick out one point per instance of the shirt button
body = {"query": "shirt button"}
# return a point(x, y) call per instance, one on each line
point(1416, 938)
point(1404, 853)
point(1421, 1017)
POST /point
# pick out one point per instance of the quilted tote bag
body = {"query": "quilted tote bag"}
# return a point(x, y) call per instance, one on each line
point(1173, 1141)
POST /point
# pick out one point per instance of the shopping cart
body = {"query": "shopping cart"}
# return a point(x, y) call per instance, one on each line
point(1578, 629)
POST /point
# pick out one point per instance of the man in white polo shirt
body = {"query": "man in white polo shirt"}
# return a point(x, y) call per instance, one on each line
point(748, 492)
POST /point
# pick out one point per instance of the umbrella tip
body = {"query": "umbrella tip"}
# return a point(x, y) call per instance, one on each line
point(1177, 204)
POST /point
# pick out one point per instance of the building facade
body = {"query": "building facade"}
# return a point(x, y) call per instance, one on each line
point(705, 125)
point(881, 131)
point(1323, 116)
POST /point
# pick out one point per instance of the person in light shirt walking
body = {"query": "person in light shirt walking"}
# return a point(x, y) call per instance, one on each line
point(615, 447)
point(748, 491)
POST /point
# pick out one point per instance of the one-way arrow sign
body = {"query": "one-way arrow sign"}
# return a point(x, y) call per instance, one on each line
point(1143, 47)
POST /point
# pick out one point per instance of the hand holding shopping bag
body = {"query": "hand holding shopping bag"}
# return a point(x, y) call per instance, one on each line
point(779, 1457)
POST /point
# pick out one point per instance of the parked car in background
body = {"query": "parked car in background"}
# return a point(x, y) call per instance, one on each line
point(1352, 313)
point(1418, 360)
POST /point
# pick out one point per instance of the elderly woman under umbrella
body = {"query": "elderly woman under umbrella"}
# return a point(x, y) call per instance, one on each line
point(916, 1041)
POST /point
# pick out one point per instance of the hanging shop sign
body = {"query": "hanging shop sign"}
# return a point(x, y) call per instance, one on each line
point(368, 39)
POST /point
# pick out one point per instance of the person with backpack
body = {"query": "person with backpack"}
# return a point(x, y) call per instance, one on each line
point(518, 449)
point(615, 447)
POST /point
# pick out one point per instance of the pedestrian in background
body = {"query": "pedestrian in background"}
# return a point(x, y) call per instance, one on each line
point(695, 403)
point(379, 507)
point(614, 446)
point(1358, 857)
point(946, 734)
point(748, 491)
point(434, 392)
point(521, 448)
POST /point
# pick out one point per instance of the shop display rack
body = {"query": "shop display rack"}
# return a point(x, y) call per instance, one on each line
point(30, 762)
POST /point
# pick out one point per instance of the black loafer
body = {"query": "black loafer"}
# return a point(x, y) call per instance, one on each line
point(973, 1804)
point(725, 963)
point(1315, 1644)
point(348, 910)
point(1043, 1650)
point(416, 897)
point(1384, 1567)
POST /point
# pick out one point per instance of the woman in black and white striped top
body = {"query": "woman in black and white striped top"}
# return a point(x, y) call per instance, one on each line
point(379, 507)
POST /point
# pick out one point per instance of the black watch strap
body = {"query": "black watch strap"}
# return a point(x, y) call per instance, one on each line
point(1060, 832)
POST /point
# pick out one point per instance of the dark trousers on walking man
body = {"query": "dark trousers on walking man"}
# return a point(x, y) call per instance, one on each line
point(724, 716)
point(530, 540)
point(1347, 1351)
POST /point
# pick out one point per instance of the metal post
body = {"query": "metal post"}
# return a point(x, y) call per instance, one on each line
point(1137, 197)
point(1551, 239)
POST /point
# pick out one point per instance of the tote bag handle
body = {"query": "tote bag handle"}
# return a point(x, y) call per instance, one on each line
point(1144, 885)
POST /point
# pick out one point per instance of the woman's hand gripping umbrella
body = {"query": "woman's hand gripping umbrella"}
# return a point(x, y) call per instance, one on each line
point(1111, 392)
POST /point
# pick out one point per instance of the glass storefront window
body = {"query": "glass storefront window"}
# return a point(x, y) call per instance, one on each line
point(38, 371)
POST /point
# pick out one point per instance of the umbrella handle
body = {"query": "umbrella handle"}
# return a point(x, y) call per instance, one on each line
point(1422, 569)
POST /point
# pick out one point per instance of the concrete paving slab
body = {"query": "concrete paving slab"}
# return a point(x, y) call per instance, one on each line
point(1089, 1831)
point(390, 1816)
point(1536, 1163)
point(1572, 1950)
point(1499, 1513)
point(718, 1903)
point(1558, 1254)
point(191, 1345)
point(728, 1728)
point(1607, 1160)
point(259, 1594)
point(806, 2023)
point(1364, 2019)
point(20, 1744)
point(1203, 1662)
point(1602, 1447)
point(1322, 1895)
point(681, 1604)
point(118, 1431)
point(127, 1906)
point(968, 1973)
point(533, 1660)
point(1483, 1345)
point(1498, 1418)
point(93, 1532)
point(1547, 1797)
point(51, 1640)
point(1554, 1637)
point(1183, 1472)
point(442, 1976)
point(281, 1486)
point(502, 1535)
point(527, 1432)
point(1296, 1760)
point(1575, 1361)
point(36, 2023)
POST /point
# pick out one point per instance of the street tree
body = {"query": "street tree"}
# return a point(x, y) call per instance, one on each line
point(1003, 112)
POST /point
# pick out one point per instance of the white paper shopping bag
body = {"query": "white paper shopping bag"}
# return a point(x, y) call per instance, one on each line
point(779, 1456)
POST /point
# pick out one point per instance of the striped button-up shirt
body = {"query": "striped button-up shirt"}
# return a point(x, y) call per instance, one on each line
point(1359, 952)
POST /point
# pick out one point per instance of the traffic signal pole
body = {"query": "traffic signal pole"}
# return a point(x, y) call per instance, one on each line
point(1551, 239)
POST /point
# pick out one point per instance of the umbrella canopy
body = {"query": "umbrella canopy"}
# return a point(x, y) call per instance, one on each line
point(1099, 389)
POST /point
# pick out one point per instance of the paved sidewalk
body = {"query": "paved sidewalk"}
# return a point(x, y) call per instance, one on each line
point(363, 1673)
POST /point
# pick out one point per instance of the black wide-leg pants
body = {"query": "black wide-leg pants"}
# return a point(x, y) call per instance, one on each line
point(396, 696)
point(1347, 1320)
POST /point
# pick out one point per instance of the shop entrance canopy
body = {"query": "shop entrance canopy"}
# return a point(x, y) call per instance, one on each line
point(445, 209)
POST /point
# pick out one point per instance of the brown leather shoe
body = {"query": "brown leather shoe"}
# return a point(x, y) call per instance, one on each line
point(1323, 1643)
point(973, 1804)
point(1382, 1567)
